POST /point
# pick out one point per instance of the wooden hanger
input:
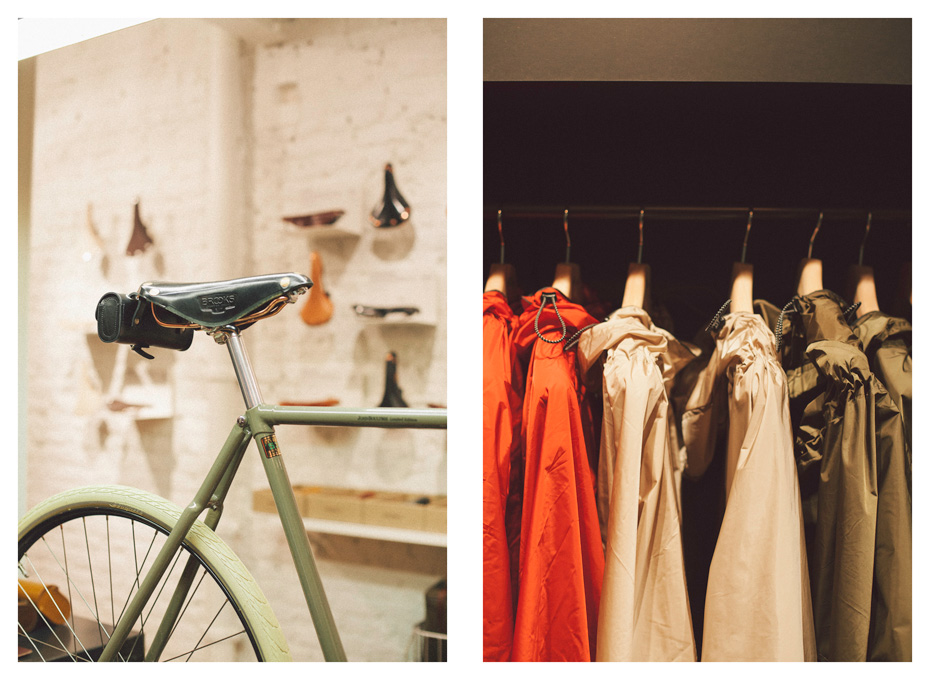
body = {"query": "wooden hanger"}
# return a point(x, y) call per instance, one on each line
point(636, 292)
point(503, 276)
point(860, 281)
point(567, 278)
point(810, 271)
point(318, 309)
point(741, 279)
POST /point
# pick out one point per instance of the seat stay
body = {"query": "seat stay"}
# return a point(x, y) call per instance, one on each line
point(229, 456)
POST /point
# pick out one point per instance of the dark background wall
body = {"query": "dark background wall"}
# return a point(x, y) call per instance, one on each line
point(844, 148)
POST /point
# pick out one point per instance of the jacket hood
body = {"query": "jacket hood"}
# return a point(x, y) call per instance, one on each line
point(876, 328)
point(631, 327)
point(496, 303)
point(543, 304)
point(743, 338)
point(820, 317)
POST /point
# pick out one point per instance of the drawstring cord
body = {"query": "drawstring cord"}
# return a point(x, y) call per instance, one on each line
point(779, 326)
point(572, 341)
point(549, 297)
point(792, 307)
point(717, 321)
point(851, 311)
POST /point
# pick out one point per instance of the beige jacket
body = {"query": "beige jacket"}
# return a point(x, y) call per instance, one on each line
point(644, 613)
point(758, 602)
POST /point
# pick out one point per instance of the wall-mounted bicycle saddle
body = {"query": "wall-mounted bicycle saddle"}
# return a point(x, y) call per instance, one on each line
point(220, 303)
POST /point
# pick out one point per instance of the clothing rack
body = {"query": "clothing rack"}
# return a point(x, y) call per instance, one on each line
point(666, 212)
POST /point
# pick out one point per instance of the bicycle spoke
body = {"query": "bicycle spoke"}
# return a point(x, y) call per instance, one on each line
point(197, 646)
point(135, 585)
point(163, 584)
point(63, 647)
point(186, 605)
point(45, 585)
point(64, 552)
point(110, 573)
point(69, 581)
point(179, 605)
point(93, 587)
point(32, 642)
point(209, 644)
point(145, 618)
point(139, 585)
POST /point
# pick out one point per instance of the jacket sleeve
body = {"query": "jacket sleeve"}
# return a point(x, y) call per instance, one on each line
point(561, 560)
point(890, 637)
point(644, 613)
point(843, 553)
point(893, 367)
point(758, 605)
point(501, 423)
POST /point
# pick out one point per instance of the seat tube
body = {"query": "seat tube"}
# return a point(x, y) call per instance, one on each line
point(294, 531)
point(297, 539)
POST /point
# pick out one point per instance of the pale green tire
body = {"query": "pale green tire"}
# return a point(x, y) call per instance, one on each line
point(68, 512)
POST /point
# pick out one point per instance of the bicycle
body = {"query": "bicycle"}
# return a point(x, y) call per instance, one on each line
point(163, 553)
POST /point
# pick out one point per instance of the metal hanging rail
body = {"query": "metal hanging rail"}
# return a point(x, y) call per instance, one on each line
point(693, 212)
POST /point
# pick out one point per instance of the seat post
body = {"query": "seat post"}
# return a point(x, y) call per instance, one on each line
point(240, 359)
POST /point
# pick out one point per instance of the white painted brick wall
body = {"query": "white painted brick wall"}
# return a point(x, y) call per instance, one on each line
point(219, 140)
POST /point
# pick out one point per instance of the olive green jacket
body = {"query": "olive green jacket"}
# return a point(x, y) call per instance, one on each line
point(886, 341)
point(853, 471)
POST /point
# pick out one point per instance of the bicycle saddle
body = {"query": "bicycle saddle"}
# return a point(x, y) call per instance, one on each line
point(219, 303)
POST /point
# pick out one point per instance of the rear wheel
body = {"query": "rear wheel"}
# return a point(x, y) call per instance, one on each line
point(95, 545)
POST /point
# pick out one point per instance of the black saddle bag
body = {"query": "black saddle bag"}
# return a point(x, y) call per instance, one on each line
point(128, 319)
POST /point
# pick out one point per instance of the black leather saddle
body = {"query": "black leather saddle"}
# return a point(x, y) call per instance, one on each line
point(220, 303)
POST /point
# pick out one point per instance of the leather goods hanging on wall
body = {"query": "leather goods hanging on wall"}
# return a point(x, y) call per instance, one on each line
point(318, 309)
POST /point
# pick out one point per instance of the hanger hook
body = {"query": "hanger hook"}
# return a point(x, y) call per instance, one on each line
point(746, 237)
point(500, 233)
point(868, 225)
point(568, 238)
point(639, 251)
point(810, 245)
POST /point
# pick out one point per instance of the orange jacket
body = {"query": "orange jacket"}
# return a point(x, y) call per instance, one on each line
point(502, 459)
point(561, 559)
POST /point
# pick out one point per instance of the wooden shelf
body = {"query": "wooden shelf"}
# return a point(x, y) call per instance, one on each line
point(340, 512)
point(327, 526)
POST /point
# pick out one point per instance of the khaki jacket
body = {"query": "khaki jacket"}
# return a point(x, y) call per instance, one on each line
point(644, 613)
point(758, 602)
point(852, 466)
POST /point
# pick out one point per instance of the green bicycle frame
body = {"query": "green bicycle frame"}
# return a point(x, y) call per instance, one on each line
point(258, 424)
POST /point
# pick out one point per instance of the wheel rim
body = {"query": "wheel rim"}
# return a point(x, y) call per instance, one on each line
point(97, 558)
